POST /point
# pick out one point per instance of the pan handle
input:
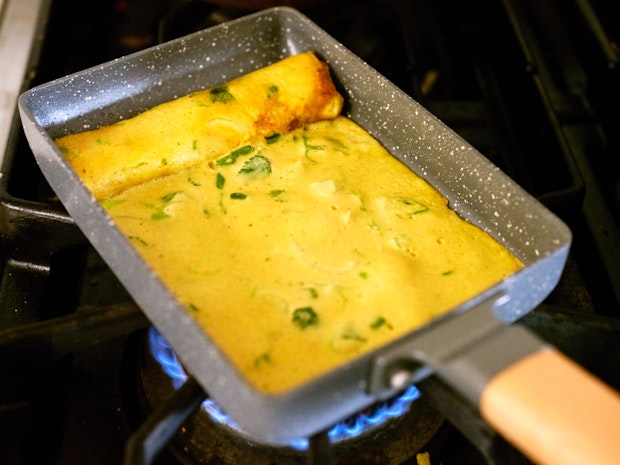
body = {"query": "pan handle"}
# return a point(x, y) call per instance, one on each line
point(556, 412)
point(545, 404)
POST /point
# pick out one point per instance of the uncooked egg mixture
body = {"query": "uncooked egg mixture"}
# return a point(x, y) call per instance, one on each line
point(298, 251)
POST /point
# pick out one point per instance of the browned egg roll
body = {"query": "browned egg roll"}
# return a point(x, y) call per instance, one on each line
point(203, 125)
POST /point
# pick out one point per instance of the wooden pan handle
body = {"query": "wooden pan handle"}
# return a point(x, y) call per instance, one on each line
point(554, 411)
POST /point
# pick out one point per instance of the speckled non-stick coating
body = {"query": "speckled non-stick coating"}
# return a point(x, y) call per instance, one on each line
point(476, 189)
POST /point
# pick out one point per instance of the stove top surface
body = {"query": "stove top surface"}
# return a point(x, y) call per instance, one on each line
point(538, 97)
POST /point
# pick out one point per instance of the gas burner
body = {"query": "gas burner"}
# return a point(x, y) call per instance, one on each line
point(387, 433)
point(371, 418)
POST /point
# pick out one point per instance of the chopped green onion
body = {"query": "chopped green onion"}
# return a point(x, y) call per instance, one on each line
point(256, 167)
point(378, 323)
point(221, 94)
point(231, 158)
point(304, 317)
point(168, 197)
point(273, 139)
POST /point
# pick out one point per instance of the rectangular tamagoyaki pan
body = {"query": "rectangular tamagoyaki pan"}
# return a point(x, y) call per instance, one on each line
point(468, 347)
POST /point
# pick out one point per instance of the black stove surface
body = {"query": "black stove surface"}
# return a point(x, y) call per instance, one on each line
point(532, 85)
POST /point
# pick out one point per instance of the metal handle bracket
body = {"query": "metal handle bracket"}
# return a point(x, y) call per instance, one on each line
point(465, 350)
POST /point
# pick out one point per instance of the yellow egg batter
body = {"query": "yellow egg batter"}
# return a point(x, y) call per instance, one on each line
point(299, 251)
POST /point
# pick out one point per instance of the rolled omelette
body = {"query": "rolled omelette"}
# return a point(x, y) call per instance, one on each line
point(203, 125)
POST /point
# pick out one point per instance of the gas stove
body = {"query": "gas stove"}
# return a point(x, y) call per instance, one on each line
point(532, 85)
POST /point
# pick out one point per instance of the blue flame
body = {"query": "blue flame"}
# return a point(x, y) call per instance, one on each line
point(350, 428)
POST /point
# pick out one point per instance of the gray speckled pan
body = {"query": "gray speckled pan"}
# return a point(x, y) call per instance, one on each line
point(478, 190)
